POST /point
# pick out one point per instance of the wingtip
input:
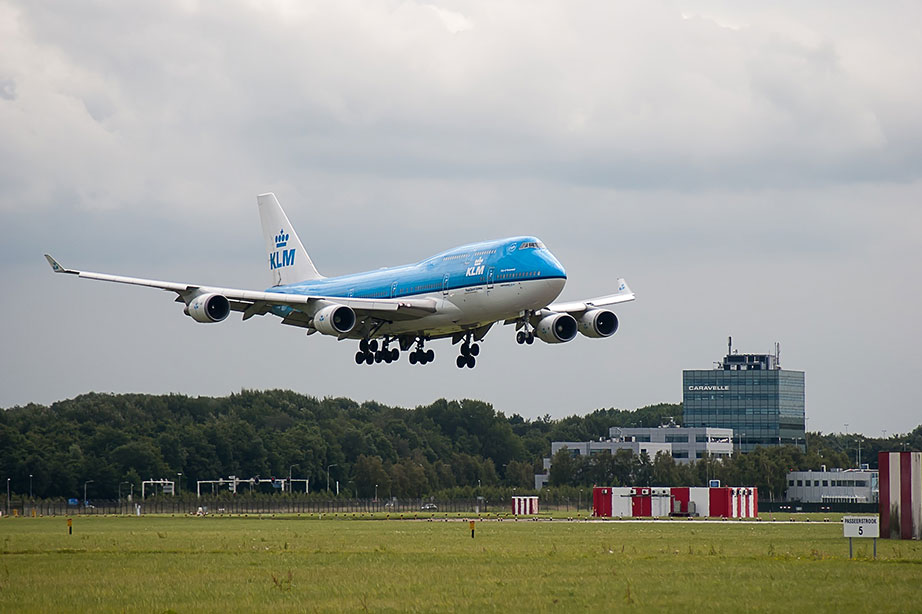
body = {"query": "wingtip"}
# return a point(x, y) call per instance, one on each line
point(57, 268)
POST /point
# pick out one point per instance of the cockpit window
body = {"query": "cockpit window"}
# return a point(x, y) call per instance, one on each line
point(532, 245)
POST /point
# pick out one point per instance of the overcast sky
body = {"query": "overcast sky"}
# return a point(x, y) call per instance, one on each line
point(752, 169)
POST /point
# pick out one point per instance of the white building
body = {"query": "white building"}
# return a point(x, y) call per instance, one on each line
point(683, 444)
point(836, 486)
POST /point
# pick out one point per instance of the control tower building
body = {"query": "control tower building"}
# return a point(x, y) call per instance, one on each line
point(750, 393)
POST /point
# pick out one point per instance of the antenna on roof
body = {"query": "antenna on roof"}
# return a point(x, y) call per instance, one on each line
point(729, 345)
point(778, 354)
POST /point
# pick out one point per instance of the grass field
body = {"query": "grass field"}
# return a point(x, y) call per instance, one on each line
point(183, 564)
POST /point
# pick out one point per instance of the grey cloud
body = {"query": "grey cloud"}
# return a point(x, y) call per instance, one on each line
point(751, 169)
point(7, 89)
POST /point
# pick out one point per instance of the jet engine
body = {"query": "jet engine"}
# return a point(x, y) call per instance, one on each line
point(334, 320)
point(556, 328)
point(208, 308)
point(598, 323)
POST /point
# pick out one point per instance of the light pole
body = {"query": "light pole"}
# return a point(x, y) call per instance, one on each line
point(376, 492)
point(179, 482)
point(84, 491)
point(290, 467)
point(328, 475)
point(30, 485)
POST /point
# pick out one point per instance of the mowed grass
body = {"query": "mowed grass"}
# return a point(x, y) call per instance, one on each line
point(212, 564)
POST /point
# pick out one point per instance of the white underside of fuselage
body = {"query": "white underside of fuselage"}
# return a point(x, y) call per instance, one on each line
point(465, 309)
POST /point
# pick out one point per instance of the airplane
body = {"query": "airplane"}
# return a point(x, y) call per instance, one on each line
point(459, 294)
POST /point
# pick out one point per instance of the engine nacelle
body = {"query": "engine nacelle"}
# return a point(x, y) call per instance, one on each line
point(598, 323)
point(208, 308)
point(334, 320)
point(556, 328)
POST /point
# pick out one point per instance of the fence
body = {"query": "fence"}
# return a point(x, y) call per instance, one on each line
point(246, 505)
point(282, 504)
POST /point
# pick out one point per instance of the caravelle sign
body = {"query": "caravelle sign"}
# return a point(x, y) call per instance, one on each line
point(715, 388)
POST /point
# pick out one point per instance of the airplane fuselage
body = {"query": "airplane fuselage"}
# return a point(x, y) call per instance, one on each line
point(472, 285)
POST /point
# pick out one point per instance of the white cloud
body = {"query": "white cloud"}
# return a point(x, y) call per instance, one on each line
point(666, 141)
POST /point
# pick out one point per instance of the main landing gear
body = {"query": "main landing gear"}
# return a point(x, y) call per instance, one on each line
point(421, 356)
point(468, 352)
point(370, 353)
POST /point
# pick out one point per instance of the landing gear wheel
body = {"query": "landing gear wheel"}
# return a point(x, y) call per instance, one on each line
point(465, 349)
point(395, 355)
point(471, 361)
point(363, 345)
point(520, 337)
point(430, 355)
point(475, 349)
point(359, 357)
point(461, 361)
point(369, 358)
point(413, 358)
point(530, 338)
point(373, 345)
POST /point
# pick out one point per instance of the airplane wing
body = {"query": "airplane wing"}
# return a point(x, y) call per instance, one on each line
point(253, 302)
point(623, 295)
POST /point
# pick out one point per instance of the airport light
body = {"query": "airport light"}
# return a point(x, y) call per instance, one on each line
point(84, 491)
point(328, 475)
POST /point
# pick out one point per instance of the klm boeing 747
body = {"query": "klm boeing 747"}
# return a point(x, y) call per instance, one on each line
point(458, 294)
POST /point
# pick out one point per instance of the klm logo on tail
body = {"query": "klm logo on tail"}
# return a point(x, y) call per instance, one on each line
point(281, 257)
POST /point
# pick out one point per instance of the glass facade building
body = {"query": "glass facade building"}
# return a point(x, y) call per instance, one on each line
point(750, 393)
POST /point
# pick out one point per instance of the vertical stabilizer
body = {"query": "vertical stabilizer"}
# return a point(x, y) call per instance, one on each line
point(288, 260)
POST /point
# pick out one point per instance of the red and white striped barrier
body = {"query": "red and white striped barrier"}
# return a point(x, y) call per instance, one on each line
point(640, 502)
point(900, 500)
point(524, 506)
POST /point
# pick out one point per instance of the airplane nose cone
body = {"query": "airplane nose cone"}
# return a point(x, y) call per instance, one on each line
point(553, 266)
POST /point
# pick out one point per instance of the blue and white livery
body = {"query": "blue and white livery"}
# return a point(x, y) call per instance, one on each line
point(458, 294)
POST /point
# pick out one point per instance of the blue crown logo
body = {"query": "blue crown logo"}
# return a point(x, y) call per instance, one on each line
point(281, 239)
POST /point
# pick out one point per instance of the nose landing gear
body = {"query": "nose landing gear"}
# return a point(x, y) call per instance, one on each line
point(525, 334)
point(525, 337)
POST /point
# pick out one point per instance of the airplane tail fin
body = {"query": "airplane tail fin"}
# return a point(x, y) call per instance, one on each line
point(288, 260)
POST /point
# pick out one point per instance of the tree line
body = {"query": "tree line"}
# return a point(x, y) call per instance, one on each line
point(108, 443)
